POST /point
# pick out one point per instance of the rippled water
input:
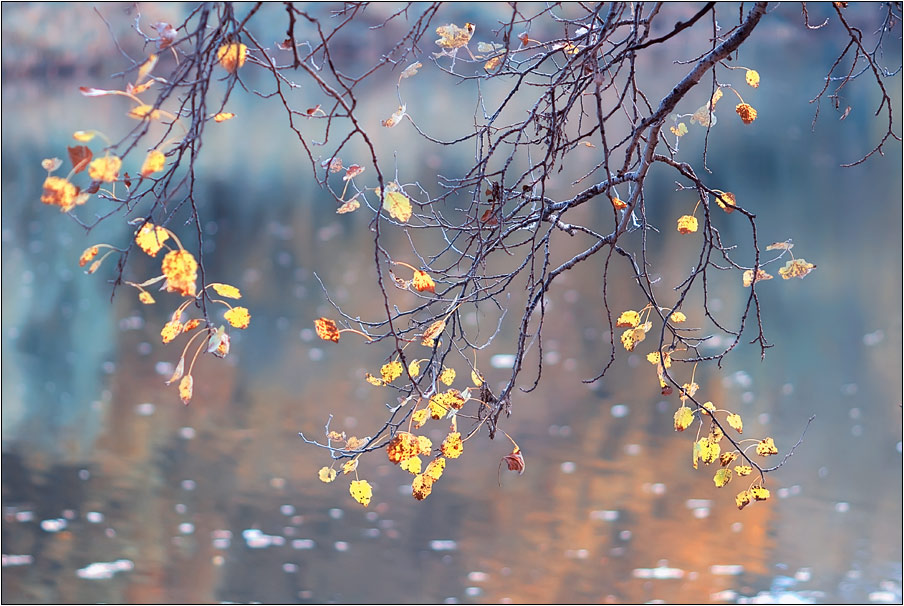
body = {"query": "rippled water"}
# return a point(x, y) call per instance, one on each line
point(115, 492)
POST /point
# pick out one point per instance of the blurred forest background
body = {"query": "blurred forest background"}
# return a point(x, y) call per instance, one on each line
point(113, 491)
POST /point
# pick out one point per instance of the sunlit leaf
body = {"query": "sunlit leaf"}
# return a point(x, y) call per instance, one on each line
point(629, 319)
point(796, 268)
point(226, 290)
point(223, 116)
point(348, 207)
point(735, 422)
point(747, 113)
point(105, 169)
point(743, 499)
point(435, 468)
point(398, 205)
point(684, 416)
point(433, 331)
point(361, 491)
point(412, 465)
point(147, 67)
point(423, 282)
point(422, 486)
point(181, 271)
point(238, 317)
point(403, 445)
point(326, 329)
point(391, 371)
point(232, 56)
point(727, 201)
point(87, 255)
point(747, 277)
point(722, 477)
point(743, 470)
point(144, 111)
point(419, 417)
point(150, 238)
point(493, 63)
point(476, 378)
point(759, 493)
point(447, 376)
point(186, 385)
point(83, 136)
point(452, 446)
point(375, 381)
point(687, 224)
point(766, 447)
point(677, 317)
point(327, 474)
point(680, 130)
point(154, 163)
point(727, 458)
point(753, 78)
point(350, 466)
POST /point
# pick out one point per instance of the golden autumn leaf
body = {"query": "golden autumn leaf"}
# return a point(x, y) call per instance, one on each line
point(150, 238)
point(422, 486)
point(186, 386)
point(743, 499)
point(451, 36)
point(688, 389)
point(735, 422)
point(232, 56)
point(419, 417)
point(414, 368)
point(727, 201)
point(452, 446)
point(766, 447)
point(425, 445)
point(145, 297)
point(433, 331)
point(60, 192)
point(83, 136)
point(412, 465)
point(727, 458)
point(476, 378)
point(348, 207)
point(170, 331)
point(677, 317)
point(327, 474)
point(223, 116)
point(447, 376)
point(618, 204)
point(747, 277)
point(144, 111)
point(350, 466)
point(88, 255)
point(376, 381)
point(687, 224)
point(493, 63)
point(105, 169)
point(423, 282)
point(722, 477)
point(193, 324)
point(361, 491)
point(679, 130)
point(147, 67)
point(391, 371)
point(153, 163)
point(753, 78)
point(743, 470)
point(684, 416)
point(435, 468)
point(629, 319)
point(226, 290)
point(708, 407)
point(326, 329)
point(796, 268)
point(238, 317)
point(759, 493)
point(746, 112)
point(398, 205)
point(181, 271)
point(403, 445)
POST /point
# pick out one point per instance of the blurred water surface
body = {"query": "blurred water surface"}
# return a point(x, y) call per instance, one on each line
point(113, 491)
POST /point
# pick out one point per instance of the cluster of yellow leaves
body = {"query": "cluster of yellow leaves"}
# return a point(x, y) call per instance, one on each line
point(754, 493)
point(62, 193)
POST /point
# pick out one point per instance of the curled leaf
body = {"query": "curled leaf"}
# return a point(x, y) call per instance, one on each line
point(51, 164)
point(326, 329)
point(327, 474)
point(223, 116)
point(395, 118)
point(748, 279)
point(177, 373)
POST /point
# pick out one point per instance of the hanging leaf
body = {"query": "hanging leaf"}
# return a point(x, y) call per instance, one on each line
point(395, 118)
point(398, 205)
point(80, 156)
point(735, 422)
point(361, 491)
point(146, 67)
point(722, 477)
point(226, 290)
point(51, 164)
point(796, 268)
point(327, 474)
point(223, 116)
point(747, 277)
point(410, 70)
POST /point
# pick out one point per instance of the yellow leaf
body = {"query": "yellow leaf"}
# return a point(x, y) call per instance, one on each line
point(326, 329)
point(105, 169)
point(391, 371)
point(796, 268)
point(361, 491)
point(722, 477)
point(743, 499)
point(766, 447)
point(373, 380)
point(402, 446)
point(146, 67)
point(435, 468)
point(619, 205)
point(232, 56)
point(414, 368)
point(680, 130)
point(687, 224)
point(493, 63)
point(150, 238)
point(140, 112)
point(743, 470)
point(83, 136)
point(145, 297)
point(419, 417)
point(759, 493)
point(447, 376)
point(684, 416)
point(422, 486)
point(727, 458)
point(185, 389)
point(223, 116)
point(348, 207)
point(452, 446)
point(354, 443)
point(350, 466)
point(753, 78)
point(708, 407)
point(327, 474)
point(726, 201)
point(226, 290)
point(735, 422)
point(761, 275)
point(452, 36)
point(88, 255)
point(628, 319)
point(398, 205)
point(628, 340)
point(238, 317)
point(476, 378)
point(433, 331)
point(425, 445)
point(154, 163)
point(171, 330)
point(677, 317)
point(423, 282)
point(412, 465)
point(747, 113)
point(688, 389)
point(707, 451)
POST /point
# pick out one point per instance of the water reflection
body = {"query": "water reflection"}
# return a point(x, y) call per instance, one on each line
point(115, 492)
